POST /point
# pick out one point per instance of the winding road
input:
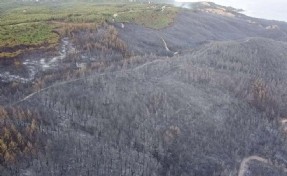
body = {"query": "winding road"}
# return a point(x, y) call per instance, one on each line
point(244, 164)
point(166, 47)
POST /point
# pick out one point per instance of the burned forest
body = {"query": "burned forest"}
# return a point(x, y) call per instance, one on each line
point(92, 88)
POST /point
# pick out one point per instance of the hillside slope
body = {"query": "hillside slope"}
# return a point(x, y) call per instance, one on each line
point(195, 27)
point(195, 114)
point(204, 96)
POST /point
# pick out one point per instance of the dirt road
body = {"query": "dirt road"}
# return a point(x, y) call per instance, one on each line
point(244, 164)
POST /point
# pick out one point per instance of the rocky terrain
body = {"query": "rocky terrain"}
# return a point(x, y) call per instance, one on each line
point(204, 96)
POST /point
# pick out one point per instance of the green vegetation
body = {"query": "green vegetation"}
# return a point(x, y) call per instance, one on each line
point(15, 39)
point(32, 25)
point(26, 34)
point(150, 16)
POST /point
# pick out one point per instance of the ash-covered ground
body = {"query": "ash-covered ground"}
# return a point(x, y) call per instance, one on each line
point(205, 96)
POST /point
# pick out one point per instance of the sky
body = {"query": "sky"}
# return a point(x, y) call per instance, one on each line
point(267, 9)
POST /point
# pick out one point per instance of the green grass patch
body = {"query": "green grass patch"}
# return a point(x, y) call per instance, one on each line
point(32, 24)
point(27, 34)
point(152, 16)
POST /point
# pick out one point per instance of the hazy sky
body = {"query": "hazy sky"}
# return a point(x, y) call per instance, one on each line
point(268, 9)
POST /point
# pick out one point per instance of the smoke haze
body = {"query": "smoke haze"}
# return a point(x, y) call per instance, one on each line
point(268, 9)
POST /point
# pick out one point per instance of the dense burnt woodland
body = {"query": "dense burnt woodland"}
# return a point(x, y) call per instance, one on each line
point(141, 113)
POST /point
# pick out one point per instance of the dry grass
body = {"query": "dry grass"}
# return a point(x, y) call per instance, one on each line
point(18, 132)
